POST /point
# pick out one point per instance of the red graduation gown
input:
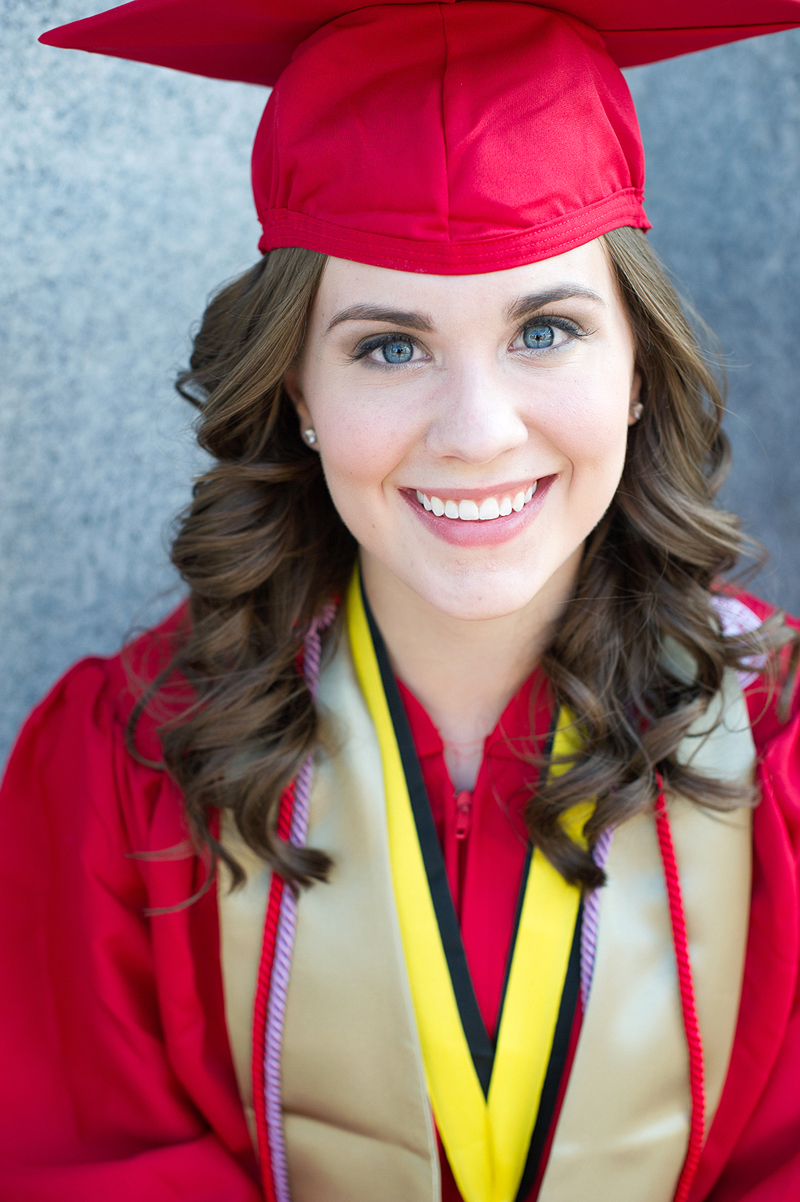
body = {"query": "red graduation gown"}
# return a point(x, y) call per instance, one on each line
point(117, 1078)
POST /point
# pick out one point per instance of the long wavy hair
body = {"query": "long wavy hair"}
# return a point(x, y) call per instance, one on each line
point(262, 549)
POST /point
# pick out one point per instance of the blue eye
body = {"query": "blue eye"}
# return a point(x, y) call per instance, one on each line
point(538, 338)
point(392, 349)
point(397, 350)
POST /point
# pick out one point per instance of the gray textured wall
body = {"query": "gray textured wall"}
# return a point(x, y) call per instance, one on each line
point(124, 198)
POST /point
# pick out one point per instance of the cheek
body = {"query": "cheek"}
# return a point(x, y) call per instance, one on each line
point(590, 428)
point(362, 441)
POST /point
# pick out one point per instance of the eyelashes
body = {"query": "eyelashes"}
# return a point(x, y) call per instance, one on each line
point(530, 330)
point(399, 349)
point(393, 346)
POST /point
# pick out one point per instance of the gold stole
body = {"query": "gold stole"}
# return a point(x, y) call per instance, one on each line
point(357, 1117)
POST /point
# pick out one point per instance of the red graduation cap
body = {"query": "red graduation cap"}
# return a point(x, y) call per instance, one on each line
point(453, 138)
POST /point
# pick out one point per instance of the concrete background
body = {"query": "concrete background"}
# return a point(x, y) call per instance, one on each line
point(124, 200)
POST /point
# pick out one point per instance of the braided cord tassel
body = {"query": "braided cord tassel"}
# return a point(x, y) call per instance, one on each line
point(690, 1024)
point(271, 923)
point(282, 909)
point(591, 917)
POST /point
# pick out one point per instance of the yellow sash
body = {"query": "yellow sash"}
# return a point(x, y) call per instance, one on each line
point(486, 1139)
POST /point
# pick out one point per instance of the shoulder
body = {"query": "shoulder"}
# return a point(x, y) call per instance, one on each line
point(74, 777)
point(741, 612)
point(102, 692)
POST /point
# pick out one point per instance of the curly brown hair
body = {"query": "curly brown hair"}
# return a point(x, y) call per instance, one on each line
point(262, 548)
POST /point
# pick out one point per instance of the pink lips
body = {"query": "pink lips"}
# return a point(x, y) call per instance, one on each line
point(480, 534)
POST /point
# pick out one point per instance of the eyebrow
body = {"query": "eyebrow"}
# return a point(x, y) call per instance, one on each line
point(394, 317)
point(539, 300)
point(418, 321)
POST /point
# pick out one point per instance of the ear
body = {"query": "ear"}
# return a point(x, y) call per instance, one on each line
point(292, 385)
point(635, 404)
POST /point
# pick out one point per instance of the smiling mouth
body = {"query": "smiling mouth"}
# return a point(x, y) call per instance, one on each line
point(467, 510)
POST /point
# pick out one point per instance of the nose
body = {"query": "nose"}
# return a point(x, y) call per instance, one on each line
point(478, 416)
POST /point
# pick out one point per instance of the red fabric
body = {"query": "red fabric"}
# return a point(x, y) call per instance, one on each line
point(453, 167)
point(117, 1079)
point(254, 40)
point(752, 1153)
point(691, 1027)
point(477, 135)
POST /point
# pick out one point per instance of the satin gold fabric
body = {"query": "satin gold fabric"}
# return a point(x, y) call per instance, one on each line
point(624, 1125)
point(357, 1117)
point(241, 931)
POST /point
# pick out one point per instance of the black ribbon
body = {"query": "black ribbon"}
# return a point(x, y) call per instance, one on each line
point(482, 1048)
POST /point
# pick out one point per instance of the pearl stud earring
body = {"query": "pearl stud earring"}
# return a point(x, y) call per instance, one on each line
point(310, 435)
point(637, 410)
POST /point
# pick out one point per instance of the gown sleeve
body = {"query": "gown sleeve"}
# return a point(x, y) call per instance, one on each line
point(752, 1152)
point(762, 1094)
point(117, 1081)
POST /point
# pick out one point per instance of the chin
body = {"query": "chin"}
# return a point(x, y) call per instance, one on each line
point(479, 596)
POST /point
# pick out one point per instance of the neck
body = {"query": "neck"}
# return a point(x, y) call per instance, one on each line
point(464, 672)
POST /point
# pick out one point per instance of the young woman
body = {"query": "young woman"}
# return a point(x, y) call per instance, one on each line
point(444, 843)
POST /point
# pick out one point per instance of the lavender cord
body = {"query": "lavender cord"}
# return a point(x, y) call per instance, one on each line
point(591, 916)
point(284, 939)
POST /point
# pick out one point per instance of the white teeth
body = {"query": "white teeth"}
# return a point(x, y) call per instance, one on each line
point(470, 511)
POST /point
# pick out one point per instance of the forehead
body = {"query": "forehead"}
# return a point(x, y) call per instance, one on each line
point(345, 283)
